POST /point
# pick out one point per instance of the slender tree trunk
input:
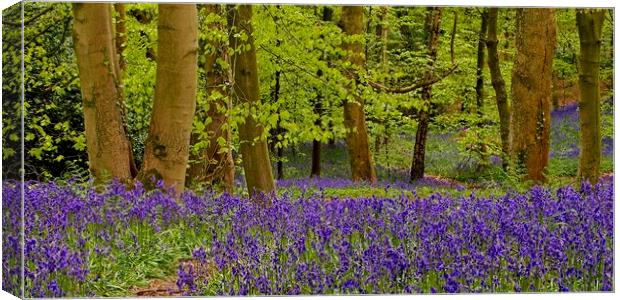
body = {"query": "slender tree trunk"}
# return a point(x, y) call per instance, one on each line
point(531, 91)
point(327, 15)
point(362, 167)
point(254, 152)
point(316, 144)
point(501, 98)
point(318, 109)
point(452, 37)
point(590, 25)
point(433, 22)
point(120, 40)
point(316, 159)
point(214, 165)
point(166, 150)
point(480, 62)
point(108, 147)
point(279, 129)
point(280, 164)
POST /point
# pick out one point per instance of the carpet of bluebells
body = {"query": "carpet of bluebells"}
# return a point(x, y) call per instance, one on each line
point(542, 240)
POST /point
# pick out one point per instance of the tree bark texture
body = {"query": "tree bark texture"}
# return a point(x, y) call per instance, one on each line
point(501, 97)
point(531, 91)
point(590, 25)
point(362, 167)
point(480, 61)
point(254, 152)
point(214, 165)
point(120, 41)
point(166, 150)
point(121, 34)
point(433, 22)
point(107, 144)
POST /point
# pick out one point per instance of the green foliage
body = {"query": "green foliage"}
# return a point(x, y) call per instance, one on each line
point(139, 75)
point(315, 79)
point(53, 124)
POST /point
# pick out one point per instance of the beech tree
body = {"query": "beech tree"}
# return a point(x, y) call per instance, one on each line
point(482, 36)
point(433, 22)
point(497, 80)
point(531, 91)
point(108, 147)
point(167, 146)
point(214, 163)
point(362, 167)
point(589, 25)
point(253, 147)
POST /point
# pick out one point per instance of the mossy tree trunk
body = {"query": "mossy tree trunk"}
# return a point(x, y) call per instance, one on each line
point(531, 92)
point(590, 25)
point(214, 163)
point(501, 98)
point(121, 34)
point(108, 147)
point(432, 27)
point(167, 146)
point(362, 167)
point(253, 148)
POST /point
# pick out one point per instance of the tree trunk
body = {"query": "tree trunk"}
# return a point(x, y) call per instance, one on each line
point(120, 41)
point(107, 145)
point(121, 34)
point(316, 144)
point(501, 98)
point(279, 129)
point(318, 109)
point(362, 167)
point(214, 165)
point(433, 22)
point(480, 62)
point(531, 91)
point(417, 165)
point(254, 152)
point(590, 25)
point(166, 149)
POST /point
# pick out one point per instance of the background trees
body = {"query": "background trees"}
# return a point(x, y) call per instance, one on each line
point(382, 62)
point(211, 159)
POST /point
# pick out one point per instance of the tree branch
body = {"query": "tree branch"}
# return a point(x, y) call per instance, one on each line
point(32, 19)
point(414, 86)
